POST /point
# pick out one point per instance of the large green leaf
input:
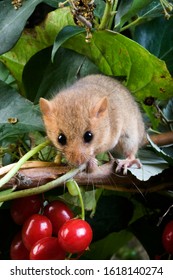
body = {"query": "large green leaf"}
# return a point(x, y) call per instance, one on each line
point(12, 105)
point(106, 247)
point(34, 71)
point(109, 55)
point(157, 37)
point(117, 55)
point(13, 21)
point(48, 78)
point(34, 40)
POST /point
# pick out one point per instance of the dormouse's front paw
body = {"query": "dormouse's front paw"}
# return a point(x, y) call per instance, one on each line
point(104, 170)
point(92, 166)
point(128, 162)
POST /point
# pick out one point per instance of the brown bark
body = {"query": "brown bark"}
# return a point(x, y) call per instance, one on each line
point(33, 175)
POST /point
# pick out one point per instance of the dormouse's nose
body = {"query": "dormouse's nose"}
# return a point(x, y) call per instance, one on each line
point(76, 158)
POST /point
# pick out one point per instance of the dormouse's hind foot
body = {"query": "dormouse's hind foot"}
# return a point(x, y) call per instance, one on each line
point(128, 162)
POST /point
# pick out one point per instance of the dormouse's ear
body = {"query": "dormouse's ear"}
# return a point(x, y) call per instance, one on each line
point(100, 108)
point(45, 106)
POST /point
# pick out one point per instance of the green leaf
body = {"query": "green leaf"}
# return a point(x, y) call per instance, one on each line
point(152, 10)
point(65, 34)
point(34, 71)
point(51, 77)
point(127, 9)
point(120, 56)
point(117, 55)
point(152, 165)
point(12, 105)
point(157, 37)
point(104, 50)
point(34, 40)
point(106, 247)
point(137, 12)
point(89, 198)
point(13, 22)
point(99, 8)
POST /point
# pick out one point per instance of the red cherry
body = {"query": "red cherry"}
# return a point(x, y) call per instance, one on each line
point(167, 237)
point(35, 228)
point(75, 236)
point(23, 208)
point(17, 249)
point(58, 213)
point(47, 248)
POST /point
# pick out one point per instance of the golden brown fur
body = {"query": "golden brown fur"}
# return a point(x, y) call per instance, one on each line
point(99, 104)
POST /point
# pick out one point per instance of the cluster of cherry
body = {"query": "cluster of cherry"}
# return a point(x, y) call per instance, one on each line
point(50, 235)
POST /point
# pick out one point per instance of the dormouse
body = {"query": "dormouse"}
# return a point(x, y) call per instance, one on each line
point(94, 115)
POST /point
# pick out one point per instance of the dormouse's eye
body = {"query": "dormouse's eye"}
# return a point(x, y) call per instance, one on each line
point(88, 136)
point(62, 139)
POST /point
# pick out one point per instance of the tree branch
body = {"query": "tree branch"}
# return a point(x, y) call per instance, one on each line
point(40, 179)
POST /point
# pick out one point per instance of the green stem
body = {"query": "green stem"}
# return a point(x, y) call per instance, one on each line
point(106, 16)
point(133, 23)
point(113, 13)
point(41, 189)
point(17, 166)
point(68, 183)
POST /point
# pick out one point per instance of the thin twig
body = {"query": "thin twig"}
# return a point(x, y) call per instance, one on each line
point(44, 188)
